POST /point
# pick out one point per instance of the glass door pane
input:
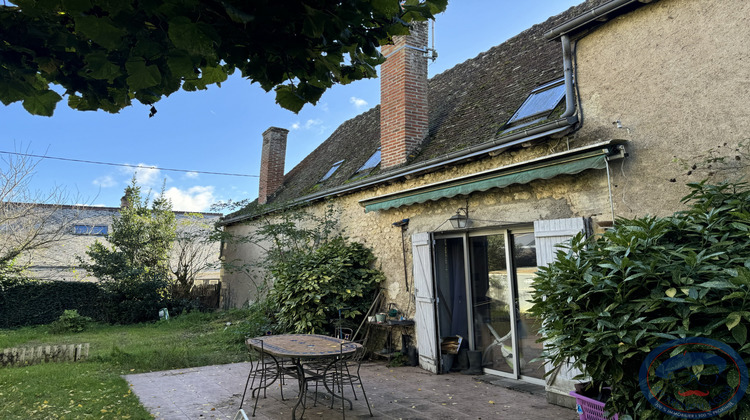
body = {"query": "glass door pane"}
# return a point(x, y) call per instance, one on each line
point(524, 262)
point(491, 299)
point(450, 282)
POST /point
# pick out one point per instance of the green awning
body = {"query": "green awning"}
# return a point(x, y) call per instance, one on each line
point(482, 182)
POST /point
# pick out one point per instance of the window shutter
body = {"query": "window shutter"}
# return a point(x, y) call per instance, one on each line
point(549, 234)
point(424, 293)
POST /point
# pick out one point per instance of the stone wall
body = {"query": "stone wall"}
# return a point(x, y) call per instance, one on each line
point(673, 78)
point(584, 194)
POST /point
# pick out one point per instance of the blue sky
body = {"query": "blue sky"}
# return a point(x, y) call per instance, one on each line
point(219, 130)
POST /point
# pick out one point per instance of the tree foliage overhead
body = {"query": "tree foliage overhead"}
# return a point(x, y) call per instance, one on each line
point(105, 53)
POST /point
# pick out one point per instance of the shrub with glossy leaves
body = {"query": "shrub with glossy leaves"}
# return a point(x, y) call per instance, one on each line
point(609, 301)
point(311, 287)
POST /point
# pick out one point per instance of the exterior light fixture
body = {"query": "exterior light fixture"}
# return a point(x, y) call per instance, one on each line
point(461, 220)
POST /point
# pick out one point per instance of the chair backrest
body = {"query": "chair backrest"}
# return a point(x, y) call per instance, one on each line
point(360, 353)
point(344, 333)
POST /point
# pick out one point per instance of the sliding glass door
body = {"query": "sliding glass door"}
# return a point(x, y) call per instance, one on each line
point(483, 282)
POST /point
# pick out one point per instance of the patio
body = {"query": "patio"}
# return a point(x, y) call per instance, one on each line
point(394, 393)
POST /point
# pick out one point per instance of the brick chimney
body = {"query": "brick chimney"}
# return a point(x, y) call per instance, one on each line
point(403, 96)
point(272, 162)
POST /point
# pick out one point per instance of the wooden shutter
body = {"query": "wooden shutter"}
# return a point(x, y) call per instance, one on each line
point(549, 234)
point(424, 292)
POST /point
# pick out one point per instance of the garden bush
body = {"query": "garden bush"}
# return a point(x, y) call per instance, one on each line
point(70, 322)
point(310, 289)
point(609, 301)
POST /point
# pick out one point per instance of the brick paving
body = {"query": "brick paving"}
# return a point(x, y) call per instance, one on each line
point(214, 392)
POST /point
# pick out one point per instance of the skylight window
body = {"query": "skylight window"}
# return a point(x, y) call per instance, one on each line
point(372, 162)
point(542, 100)
point(331, 171)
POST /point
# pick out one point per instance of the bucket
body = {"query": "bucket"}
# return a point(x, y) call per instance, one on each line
point(380, 317)
point(448, 362)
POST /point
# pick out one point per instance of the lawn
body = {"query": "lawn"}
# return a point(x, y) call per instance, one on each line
point(94, 388)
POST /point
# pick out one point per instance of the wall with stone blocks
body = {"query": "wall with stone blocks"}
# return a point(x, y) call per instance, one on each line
point(584, 194)
point(23, 356)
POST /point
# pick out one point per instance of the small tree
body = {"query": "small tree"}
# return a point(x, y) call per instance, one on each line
point(191, 253)
point(135, 267)
point(141, 239)
point(29, 220)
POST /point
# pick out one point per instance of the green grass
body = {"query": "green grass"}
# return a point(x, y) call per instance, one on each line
point(94, 388)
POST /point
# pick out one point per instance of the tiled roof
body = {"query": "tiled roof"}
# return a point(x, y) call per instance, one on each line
point(468, 106)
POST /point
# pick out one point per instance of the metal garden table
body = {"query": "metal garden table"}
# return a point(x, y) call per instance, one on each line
point(300, 348)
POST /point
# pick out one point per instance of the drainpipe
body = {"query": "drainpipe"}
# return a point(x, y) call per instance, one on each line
point(592, 15)
point(570, 104)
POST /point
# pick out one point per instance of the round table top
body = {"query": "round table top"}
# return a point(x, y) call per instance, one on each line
point(303, 345)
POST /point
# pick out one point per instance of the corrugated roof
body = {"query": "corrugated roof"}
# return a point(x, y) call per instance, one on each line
point(469, 104)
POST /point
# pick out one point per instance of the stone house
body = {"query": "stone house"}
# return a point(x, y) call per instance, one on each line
point(83, 225)
point(604, 111)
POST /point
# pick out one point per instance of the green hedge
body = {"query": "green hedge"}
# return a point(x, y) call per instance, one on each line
point(36, 303)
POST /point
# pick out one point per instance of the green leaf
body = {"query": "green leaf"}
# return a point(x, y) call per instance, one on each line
point(663, 320)
point(76, 5)
point(10, 92)
point(733, 320)
point(716, 284)
point(671, 292)
point(733, 378)
point(740, 334)
point(100, 30)
point(141, 76)
point(191, 37)
point(386, 7)
point(210, 75)
point(101, 68)
point(287, 97)
point(43, 103)
point(181, 64)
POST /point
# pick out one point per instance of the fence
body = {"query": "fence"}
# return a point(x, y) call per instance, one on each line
point(19, 356)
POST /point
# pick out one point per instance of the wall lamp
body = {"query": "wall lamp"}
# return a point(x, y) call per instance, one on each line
point(461, 220)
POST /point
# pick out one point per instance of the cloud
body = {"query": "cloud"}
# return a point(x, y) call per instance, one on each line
point(309, 124)
point(358, 103)
point(105, 181)
point(198, 198)
point(145, 175)
point(192, 174)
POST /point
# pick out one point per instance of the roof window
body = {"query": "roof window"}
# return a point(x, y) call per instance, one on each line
point(331, 171)
point(372, 162)
point(542, 100)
